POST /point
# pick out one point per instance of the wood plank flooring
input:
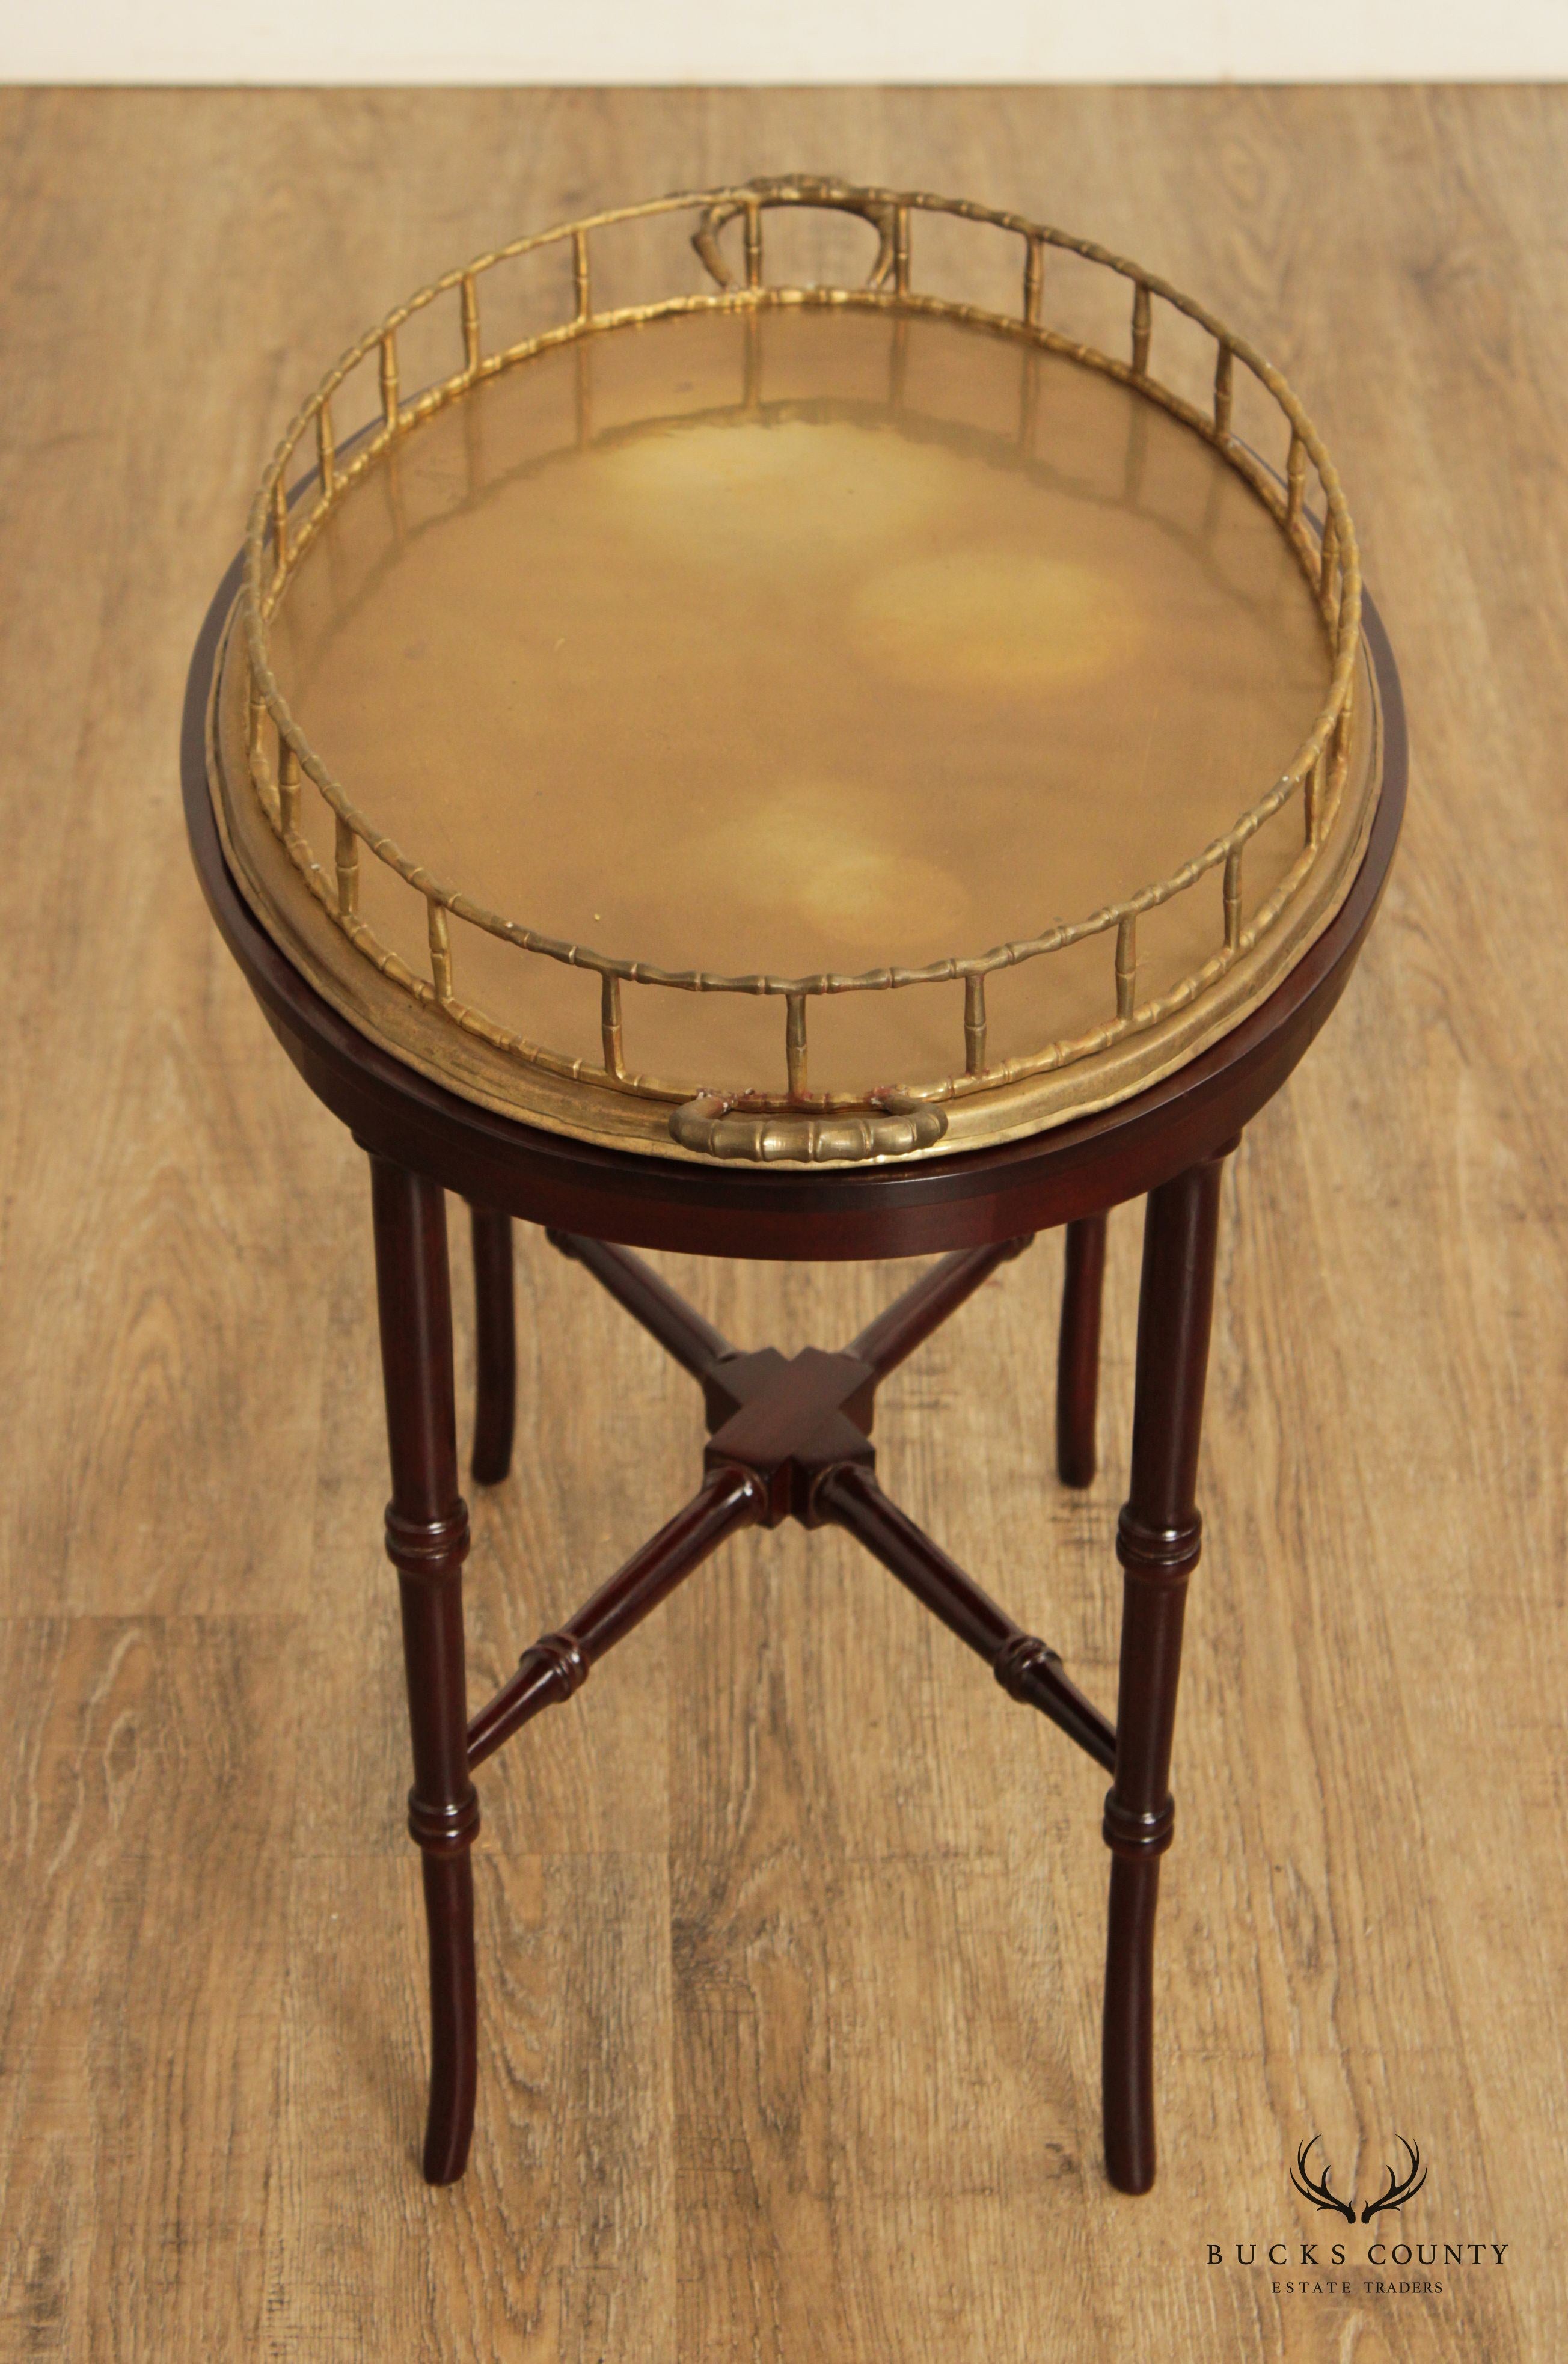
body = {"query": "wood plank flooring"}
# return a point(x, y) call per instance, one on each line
point(791, 1926)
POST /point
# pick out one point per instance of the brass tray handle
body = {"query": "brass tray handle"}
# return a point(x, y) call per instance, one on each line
point(892, 1126)
point(796, 189)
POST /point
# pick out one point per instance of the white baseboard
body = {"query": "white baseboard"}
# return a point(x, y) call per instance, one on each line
point(752, 42)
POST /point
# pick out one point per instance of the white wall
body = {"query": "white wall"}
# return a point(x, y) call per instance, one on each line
point(781, 41)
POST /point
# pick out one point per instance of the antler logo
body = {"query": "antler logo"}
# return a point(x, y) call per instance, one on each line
point(1319, 2193)
point(1398, 2190)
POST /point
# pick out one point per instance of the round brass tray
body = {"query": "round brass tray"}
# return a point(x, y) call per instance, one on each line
point(789, 717)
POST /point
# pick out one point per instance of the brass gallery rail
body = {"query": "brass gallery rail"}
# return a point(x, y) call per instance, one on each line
point(282, 528)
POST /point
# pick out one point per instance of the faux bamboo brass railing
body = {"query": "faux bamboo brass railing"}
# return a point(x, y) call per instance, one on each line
point(794, 1121)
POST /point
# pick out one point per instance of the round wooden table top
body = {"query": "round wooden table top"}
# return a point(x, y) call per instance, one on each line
point(899, 1208)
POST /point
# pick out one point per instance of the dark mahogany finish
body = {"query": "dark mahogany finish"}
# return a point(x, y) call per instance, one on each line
point(1159, 1536)
point(496, 1341)
point(1023, 1665)
point(787, 1439)
point(1078, 1356)
point(427, 1541)
point(792, 1438)
point(557, 1664)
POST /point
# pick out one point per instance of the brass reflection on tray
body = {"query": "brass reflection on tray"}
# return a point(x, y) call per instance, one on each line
point(974, 693)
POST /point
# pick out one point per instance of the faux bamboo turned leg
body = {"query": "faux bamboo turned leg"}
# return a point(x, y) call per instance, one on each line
point(427, 1540)
point(496, 1337)
point(1158, 1540)
point(1078, 1353)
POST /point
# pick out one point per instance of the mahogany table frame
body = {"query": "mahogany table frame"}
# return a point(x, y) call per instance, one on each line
point(792, 1439)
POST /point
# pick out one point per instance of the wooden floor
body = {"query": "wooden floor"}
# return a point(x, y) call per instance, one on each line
point(792, 1925)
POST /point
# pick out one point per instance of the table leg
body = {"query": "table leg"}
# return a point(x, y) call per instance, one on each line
point(1078, 1356)
point(1158, 1540)
point(427, 1540)
point(496, 1337)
